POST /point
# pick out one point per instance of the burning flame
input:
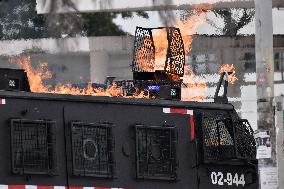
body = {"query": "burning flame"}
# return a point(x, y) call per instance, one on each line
point(193, 89)
point(230, 69)
point(191, 24)
point(38, 75)
point(187, 28)
point(194, 86)
point(35, 76)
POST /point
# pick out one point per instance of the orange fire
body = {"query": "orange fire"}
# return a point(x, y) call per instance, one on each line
point(161, 48)
point(229, 68)
point(37, 76)
point(194, 87)
point(191, 24)
point(187, 28)
point(193, 90)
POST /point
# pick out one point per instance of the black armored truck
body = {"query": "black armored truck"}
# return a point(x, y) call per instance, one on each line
point(53, 140)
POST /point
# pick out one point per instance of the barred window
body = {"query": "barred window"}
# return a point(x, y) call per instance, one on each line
point(218, 138)
point(156, 152)
point(92, 149)
point(33, 146)
point(226, 139)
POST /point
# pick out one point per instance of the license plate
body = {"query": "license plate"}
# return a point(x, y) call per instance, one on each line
point(227, 179)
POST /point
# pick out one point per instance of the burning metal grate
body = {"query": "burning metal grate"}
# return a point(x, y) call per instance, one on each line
point(156, 152)
point(33, 147)
point(92, 149)
point(145, 51)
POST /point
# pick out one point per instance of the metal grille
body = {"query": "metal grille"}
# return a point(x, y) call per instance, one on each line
point(33, 147)
point(156, 152)
point(176, 54)
point(218, 138)
point(93, 149)
point(226, 138)
point(127, 86)
point(144, 51)
point(245, 142)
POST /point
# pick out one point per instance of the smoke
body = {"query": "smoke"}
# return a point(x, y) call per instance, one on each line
point(167, 17)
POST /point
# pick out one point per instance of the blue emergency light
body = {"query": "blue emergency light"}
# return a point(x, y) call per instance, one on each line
point(154, 88)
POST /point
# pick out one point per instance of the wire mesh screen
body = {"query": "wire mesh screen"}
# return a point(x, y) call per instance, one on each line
point(127, 86)
point(92, 149)
point(145, 51)
point(156, 152)
point(176, 54)
point(245, 142)
point(227, 138)
point(218, 138)
point(33, 146)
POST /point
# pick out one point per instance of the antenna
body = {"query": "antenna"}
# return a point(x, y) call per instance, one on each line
point(223, 79)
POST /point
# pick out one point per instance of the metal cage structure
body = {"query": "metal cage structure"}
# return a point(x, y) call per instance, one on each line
point(226, 139)
point(33, 146)
point(145, 50)
point(92, 149)
point(156, 152)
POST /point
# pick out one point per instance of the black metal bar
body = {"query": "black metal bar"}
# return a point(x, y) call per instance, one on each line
point(47, 146)
point(82, 126)
point(66, 150)
point(12, 144)
point(22, 146)
point(156, 28)
point(226, 83)
point(219, 85)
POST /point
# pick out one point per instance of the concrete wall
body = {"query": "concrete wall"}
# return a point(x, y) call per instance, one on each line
point(110, 56)
point(66, 68)
point(75, 60)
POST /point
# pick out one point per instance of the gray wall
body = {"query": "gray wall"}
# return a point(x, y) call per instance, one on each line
point(66, 68)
